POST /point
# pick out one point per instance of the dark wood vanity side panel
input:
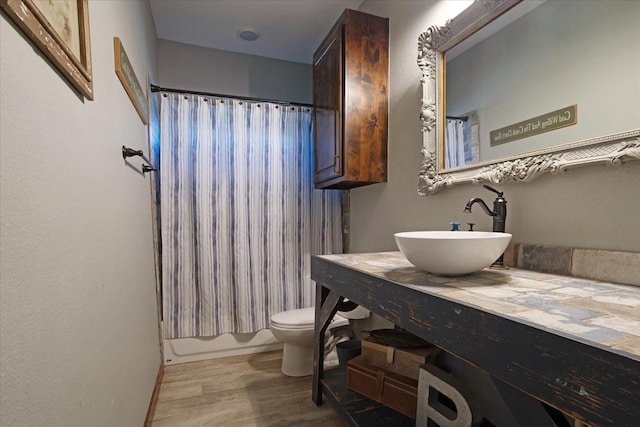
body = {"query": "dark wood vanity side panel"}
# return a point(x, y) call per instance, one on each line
point(584, 381)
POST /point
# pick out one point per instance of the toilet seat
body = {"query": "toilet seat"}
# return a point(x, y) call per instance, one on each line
point(302, 318)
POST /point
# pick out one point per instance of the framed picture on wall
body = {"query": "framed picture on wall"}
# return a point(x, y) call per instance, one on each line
point(60, 29)
point(127, 75)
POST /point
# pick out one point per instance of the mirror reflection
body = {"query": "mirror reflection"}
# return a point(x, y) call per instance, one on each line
point(563, 72)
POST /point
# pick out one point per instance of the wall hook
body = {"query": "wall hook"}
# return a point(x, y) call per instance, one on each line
point(130, 152)
point(147, 168)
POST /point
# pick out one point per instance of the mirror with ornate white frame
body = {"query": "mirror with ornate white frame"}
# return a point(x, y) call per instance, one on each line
point(612, 147)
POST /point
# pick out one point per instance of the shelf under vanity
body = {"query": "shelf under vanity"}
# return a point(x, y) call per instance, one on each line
point(563, 342)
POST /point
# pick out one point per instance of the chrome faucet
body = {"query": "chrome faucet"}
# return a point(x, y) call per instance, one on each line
point(499, 215)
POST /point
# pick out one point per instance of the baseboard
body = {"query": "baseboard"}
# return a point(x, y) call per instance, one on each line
point(154, 397)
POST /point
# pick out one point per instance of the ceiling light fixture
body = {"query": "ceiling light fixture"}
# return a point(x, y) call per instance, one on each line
point(248, 34)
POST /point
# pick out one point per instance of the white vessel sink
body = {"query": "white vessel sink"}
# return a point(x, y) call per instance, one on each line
point(452, 253)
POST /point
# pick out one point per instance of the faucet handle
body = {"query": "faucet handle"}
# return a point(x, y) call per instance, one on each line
point(499, 193)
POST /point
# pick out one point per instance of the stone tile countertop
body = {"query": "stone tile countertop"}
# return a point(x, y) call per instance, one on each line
point(598, 313)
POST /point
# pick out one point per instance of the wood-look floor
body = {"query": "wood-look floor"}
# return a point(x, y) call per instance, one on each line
point(247, 390)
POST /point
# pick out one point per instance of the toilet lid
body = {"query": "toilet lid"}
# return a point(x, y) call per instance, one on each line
point(300, 317)
point(303, 318)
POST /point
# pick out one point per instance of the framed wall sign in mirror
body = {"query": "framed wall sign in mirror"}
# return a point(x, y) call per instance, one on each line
point(515, 89)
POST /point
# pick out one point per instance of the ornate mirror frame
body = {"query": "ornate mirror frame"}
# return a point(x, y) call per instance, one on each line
point(611, 149)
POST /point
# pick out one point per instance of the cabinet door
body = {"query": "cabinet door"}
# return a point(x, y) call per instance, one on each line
point(327, 99)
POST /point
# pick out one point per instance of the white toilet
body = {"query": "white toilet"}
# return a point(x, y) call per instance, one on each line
point(295, 329)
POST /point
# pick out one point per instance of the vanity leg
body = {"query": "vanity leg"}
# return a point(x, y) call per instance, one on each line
point(528, 411)
point(326, 306)
point(318, 343)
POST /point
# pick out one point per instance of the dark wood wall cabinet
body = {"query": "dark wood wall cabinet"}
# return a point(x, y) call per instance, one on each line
point(350, 97)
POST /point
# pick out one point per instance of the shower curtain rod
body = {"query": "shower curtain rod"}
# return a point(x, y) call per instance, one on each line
point(155, 88)
point(463, 118)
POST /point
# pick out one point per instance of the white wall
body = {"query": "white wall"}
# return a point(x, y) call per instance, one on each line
point(592, 207)
point(79, 341)
point(200, 69)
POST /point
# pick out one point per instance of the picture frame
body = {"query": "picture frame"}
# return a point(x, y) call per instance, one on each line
point(127, 75)
point(60, 30)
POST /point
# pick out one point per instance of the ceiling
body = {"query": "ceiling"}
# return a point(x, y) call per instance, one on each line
point(289, 30)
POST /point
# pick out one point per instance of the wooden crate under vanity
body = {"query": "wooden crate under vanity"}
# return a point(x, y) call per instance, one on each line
point(395, 391)
point(402, 361)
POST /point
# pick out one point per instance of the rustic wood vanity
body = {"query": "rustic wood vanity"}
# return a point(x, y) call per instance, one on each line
point(547, 341)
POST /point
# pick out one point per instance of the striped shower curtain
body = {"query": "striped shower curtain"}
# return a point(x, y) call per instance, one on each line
point(454, 155)
point(239, 214)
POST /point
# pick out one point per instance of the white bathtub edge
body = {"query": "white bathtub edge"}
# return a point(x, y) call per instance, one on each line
point(183, 350)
